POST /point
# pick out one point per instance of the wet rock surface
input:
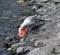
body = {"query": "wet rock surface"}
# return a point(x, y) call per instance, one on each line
point(43, 40)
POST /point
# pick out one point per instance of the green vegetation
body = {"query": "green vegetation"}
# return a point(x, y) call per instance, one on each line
point(53, 51)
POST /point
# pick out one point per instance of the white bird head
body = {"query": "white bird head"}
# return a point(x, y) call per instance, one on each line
point(22, 26)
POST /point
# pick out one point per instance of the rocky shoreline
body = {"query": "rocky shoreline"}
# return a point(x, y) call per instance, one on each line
point(43, 41)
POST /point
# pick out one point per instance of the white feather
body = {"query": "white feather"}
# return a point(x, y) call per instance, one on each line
point(28, 21)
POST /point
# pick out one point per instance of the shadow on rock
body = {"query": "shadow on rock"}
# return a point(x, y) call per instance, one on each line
point(10, 41)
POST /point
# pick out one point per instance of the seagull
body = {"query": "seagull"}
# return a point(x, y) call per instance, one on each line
point(27, 22)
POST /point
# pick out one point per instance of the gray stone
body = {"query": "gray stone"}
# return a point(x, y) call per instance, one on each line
point(58, 35)
point(15, 46)
point(39, 43)
point(41, 0)
point(23, 49)
point(34, 8)
point(31, 3)
point(20, 49)
point(58, 5)
point(41, 11)
point(57, 30)
point(36, 51)
point(46, 50)
point(20, 1)
point(56, 0)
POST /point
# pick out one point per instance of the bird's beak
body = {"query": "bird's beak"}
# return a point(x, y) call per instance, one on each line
point(22, 32)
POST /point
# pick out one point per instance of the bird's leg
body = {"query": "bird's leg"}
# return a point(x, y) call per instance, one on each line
point(28, 28)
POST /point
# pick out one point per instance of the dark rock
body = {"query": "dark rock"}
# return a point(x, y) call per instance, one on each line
point(7, 45)
point(56, 3)
point(11, 40)
point(13, 53)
